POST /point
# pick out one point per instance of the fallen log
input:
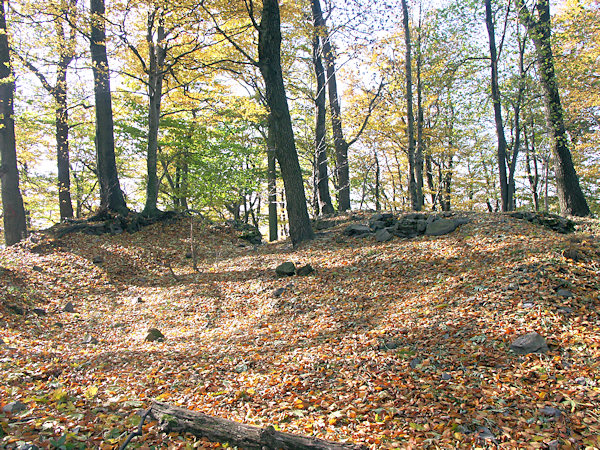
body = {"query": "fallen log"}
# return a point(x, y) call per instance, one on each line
point(180, 420)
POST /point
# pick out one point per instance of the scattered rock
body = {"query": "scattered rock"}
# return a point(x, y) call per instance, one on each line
point(573, 254)
point(357, 230)
point(16, 309)
point(189, 255)
point(550, 411)
point(383, 235)
point(565, 310)
point(2, 343)
point(69, 308)
point(286, 269)
point(441, 226)
point(247, 232)
point(14, 407)
point(446, 376)
point(305, 270)
point(414, 363)
point(528, 305)
point(389, 344)
point(565, 293)
point(529, 343)
point(583, 381)
point(37, 268)
point(484, 434)
point(154, 334)
point(98, 259)
point(552, 221)
point(277, 292)
point(89, 339)
point(40, 311)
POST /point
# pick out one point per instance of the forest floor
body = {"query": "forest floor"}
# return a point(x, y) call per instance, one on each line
point(392, 345)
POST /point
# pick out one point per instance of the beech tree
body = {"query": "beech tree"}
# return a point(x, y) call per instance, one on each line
point(13, 211)
point(111, 195)
point(62, 21)
point(570, 196)
point(501, 149)
point(321, 172)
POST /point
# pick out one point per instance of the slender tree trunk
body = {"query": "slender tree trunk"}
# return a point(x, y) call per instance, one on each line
point(157, 54)
point(322, 176)
point(272, 185)
point(533, 177)
point(516, 145)
point(430, 183)
point(570, 196)
point(339, 142)
point(269, 60)
point(420, 144)
point(412, 187)
point(377, 182)
point(61, 112)
point(501, 152)
point(15, 226)
point(111, 196)
point(62, 142)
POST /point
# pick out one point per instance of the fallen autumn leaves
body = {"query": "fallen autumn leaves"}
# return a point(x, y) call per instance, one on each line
point(395, 344)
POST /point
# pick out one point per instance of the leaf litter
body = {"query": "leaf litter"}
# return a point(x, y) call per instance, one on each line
point(393, 345)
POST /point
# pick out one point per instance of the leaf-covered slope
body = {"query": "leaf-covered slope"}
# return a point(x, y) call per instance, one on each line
point(388, 344)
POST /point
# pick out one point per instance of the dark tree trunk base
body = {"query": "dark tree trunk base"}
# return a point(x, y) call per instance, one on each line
point(107, 223)
point(175, 419)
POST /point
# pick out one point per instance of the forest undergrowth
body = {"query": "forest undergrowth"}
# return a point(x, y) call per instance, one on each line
point(392, 345)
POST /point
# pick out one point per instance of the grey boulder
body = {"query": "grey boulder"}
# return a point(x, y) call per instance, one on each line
point(529, 343)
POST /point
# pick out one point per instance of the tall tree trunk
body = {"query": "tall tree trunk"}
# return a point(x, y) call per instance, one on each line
point(111, 196)
point(269, 61)
point(322, 176)
point(412, 187)
point(447, 185)
point(501, 152)
point(570, 196)
point(420, 144)
point(533, 177)
point(156, 56)
point(272, 185)
point(15, 227)
point(339, 142)
point(377, 182)
point(516, 144)
point(430, 184)
point(62, 142)
point(61, 111)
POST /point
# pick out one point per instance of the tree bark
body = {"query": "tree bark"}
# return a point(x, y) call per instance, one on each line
point(269, 61)
point(156, 57)
point(15, 226)
point(111, 196)
point(215, 429)
point(412, 187)
point(570, 196)
point(322, 174)
point(339, 142)
point(501, 152)
point(272, 185)
point(61, 111)
point(65, 204)
point(533, 177)
point(420, 142)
